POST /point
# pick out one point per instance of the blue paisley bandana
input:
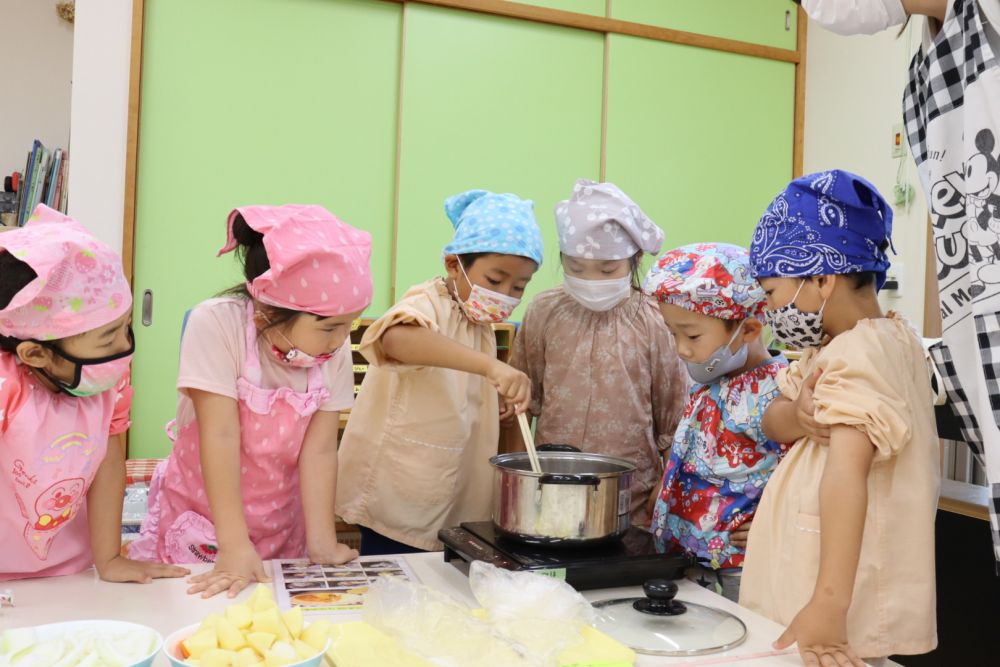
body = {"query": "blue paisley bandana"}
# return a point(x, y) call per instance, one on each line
point(828, 223)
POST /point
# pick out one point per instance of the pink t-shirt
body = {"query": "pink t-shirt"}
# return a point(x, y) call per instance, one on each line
point(51, 446)
point(213, 352)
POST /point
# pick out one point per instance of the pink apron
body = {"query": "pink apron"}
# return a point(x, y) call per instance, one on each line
point(49, 455)
point(273, 423)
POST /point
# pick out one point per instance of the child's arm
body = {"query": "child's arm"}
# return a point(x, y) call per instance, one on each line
point(419, 346)
point(237, 563)
point(104, 512)
point(820, 628)
point(318, 480)
point(786, 420)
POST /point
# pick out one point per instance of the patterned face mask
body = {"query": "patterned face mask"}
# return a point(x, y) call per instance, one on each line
point(93, 376)
point(486, 306)
point(297, 358)
point(795, 328)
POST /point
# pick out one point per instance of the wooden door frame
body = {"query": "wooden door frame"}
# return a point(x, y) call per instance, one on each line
point(600, 24)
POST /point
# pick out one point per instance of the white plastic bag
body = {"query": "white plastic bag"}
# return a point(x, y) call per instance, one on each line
point(437, 628)
point(542, 614)
point(530, 619)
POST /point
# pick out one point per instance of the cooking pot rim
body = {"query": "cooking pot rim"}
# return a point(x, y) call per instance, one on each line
point(499, 460)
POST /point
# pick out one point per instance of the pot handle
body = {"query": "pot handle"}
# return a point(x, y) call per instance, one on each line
point(557, 448)
point(579, 480)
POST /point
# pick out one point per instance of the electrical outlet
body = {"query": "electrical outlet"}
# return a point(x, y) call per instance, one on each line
point(898, 141)
point(894, 281)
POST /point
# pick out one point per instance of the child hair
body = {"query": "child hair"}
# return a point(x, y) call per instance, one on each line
point(14, 277)
point(253, 257)
point(469, 258)
point(634, 265)
point(862, 279)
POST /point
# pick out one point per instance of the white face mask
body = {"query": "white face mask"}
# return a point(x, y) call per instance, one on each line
point(855, 17)
point(599, 295)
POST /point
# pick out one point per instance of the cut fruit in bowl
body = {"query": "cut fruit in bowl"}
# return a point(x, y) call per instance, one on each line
point(80, 643)
point(250, 634)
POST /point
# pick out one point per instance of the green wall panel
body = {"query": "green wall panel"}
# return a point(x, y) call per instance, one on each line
point(259, 101)
point(757, 21)
point(492, 103)
point(702, 140)
point(252, 102)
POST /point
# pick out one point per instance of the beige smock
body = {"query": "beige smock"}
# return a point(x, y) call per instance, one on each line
point(874, 378)
point(415, 454)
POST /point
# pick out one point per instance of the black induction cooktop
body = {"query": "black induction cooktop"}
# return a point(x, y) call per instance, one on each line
point(629, 561)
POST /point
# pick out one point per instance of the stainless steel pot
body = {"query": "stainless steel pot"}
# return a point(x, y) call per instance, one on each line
point(577, 499)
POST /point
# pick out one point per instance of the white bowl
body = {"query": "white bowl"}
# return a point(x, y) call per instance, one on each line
point(171, 648)
point(53, 631)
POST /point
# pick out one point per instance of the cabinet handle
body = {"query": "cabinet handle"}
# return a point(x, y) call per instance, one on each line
point(147, 308)
point(788, 20)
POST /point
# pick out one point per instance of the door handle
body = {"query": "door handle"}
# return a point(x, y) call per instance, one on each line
point(147, 308)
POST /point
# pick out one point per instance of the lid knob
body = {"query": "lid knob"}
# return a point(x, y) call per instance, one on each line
point(659, 599)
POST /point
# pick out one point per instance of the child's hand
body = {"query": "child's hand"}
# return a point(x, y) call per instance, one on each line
point(821, 634)
point(805, 408)
point(120, 569)
point(738, 537)
point(507, 413)
point(513, 386)
point(234, 570)
point(331, 552)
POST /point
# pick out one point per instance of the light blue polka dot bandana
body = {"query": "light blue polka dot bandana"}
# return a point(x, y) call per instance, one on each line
point(488, 222)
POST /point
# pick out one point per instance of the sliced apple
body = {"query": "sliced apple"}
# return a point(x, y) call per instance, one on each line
point(240, 615)
point(218, 657)
point(209, 622)
point(261, 641)
point(269, 621)
point(281, 654)
point(294, 621)
point(317, 633)
point(200, 642)
point(303, 650)
point(261, 599)
point(246, 657)
point(230, 637)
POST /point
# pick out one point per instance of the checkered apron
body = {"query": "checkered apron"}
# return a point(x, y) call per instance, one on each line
point(952, 113)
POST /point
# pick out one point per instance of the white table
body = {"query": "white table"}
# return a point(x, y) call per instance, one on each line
point(165, 606)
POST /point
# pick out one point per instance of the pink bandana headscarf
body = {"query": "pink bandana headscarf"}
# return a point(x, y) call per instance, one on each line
point(319, 264)
point(80, 285)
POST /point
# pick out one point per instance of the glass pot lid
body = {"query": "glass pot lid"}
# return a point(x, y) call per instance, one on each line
point(658, 624)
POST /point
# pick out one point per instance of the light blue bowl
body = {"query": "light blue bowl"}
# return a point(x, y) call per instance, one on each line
point(53, 631)
point(172, 644)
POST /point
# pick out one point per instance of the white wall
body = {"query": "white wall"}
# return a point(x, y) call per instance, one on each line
point(36, 52)
point(100, 115)
point(854, 89)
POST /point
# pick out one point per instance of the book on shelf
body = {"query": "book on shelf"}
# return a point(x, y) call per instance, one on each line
point(44, 181)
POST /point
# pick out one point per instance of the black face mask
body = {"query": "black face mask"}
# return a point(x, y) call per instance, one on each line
point(79, 364)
